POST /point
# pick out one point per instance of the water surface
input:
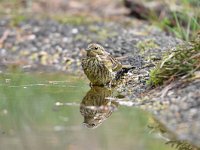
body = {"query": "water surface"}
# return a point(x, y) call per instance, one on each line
point(56, 111)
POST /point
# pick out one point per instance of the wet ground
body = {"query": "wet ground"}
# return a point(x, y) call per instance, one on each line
point(45, 111)
point(63, 112)
point(62, 105)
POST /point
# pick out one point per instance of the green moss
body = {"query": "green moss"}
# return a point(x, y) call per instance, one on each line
point(74, 20)
point(154, 80)
point(183, 22)
point(183, 61)
point(146, 45)
point(103, 33)
point(17, 19)
point(14, 10)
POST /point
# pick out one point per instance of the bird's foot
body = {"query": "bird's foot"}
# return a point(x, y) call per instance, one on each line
point(91, 85)
point(110, 84)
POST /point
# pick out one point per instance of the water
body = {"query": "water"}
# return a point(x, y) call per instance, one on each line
point(56, 111)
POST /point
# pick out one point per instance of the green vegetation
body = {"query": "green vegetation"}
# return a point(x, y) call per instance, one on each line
point(185, 26)
point(183, 22)
point(146, 45)
point(183, 61)
point(74, 19)
point(12, 10)
point(16, 19)
point(103, 33)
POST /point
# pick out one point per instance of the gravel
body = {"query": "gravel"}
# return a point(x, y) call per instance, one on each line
point(181, 114)
point(61, 46)
point(51, 46)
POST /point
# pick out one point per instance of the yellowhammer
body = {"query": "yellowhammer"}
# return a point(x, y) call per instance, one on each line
point(99, 66)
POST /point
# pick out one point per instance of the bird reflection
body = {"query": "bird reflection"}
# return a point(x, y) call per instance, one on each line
point(97, 106)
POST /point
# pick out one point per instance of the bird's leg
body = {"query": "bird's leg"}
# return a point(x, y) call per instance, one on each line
point(110, 84)
point(91, 84)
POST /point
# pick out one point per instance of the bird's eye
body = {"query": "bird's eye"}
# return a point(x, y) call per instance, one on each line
point(92, 124)
point(96, 48)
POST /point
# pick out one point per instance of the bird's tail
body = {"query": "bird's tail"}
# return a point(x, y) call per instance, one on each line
point(123, 71)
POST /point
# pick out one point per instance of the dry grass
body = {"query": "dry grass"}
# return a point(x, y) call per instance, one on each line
point(180, 63)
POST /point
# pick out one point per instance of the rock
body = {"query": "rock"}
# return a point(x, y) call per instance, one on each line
point(49, 36)
point(49, 46)
point(181, 116)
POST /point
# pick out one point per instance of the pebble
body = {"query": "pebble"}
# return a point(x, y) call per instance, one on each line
point(60, 46)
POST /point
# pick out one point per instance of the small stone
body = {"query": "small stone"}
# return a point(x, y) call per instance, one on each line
point(74, 30)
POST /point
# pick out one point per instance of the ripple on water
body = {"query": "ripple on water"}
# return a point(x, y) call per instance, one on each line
point(50, 111)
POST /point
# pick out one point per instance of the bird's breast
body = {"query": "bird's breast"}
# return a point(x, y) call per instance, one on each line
point(96, 71)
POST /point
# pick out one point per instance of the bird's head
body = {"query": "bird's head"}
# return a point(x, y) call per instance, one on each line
point(95, 49)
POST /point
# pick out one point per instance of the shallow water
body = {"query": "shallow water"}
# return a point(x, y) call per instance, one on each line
point(55, 111)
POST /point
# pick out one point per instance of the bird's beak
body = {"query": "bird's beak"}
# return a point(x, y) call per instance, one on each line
point(106, 53)
point(87, 49)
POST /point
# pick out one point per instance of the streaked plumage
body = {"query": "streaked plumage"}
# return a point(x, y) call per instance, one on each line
point(99, 66)
point(96, 107)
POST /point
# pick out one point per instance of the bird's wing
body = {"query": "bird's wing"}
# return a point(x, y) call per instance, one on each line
point(116, 64)
point(111, 63)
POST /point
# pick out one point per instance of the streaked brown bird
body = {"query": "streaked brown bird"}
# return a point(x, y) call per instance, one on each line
point(96, 106)
point(99, 66)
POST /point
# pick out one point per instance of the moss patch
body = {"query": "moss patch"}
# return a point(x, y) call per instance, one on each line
point(103, 33)
point(17, 19)
point(146, 45)
point(74, 19)
point(183, 61)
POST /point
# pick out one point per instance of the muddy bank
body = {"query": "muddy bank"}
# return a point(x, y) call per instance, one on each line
point(49, 45)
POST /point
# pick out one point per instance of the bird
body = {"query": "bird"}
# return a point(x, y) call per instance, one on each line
point(96, 106)
point(100, 67)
